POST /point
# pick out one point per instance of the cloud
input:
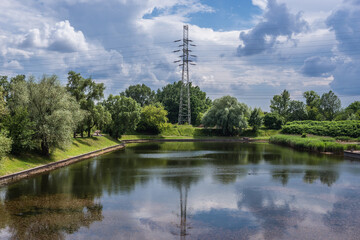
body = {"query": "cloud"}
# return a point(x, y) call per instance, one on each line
point(344, 22)
point(317, 66)
point(61, 37)
point(277, 21)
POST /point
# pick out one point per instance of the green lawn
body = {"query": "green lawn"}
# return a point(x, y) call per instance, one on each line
point(12, 164)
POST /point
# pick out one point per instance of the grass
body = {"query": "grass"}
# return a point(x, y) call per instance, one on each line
point(190, 132)
point(312, 143)
point(12, 164)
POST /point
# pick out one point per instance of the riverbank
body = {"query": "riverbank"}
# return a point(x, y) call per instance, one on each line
point(12, 164)
point(313, 143)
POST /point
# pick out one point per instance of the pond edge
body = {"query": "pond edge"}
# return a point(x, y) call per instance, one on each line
point(13, 177)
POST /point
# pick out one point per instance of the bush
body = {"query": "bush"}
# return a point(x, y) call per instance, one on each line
point(312, 143)
point(348, 128)
point(273, 121)
point(153, 119)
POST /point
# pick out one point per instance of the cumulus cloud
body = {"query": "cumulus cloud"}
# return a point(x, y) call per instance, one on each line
point(317, 66)
point(61, 37)
point(344, 22)
point(277, 21)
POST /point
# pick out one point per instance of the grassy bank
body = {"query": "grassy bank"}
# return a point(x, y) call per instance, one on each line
point(313, 143)
point(12, 164)
point(190, 132)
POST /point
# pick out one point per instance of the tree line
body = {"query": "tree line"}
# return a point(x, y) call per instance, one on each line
point(42, 114)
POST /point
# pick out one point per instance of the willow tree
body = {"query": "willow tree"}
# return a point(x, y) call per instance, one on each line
point(54, 112)
point(228, 114)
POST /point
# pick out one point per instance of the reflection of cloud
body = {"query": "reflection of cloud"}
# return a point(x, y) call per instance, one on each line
point(345, 215)
point(273, 216)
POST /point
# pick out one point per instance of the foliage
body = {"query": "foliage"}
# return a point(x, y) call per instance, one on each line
point(297, 111)
point(21, 130)
point(86, 92)
point(125, 114)
point(169, 97)
point(142, 94)
point(256, 119)
point(54, 113)
point(153, 119)
point(312, 99)
point(330, 105)
point(5, 143)
point(3, 110)
point(280, 104)
point(311, 143)
point(324, 128)
point(273, 121)
point(228, 114)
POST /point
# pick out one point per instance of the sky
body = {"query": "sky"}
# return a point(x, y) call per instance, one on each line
point(249, 49)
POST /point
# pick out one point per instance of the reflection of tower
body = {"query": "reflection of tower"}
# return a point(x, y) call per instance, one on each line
point(183, 208)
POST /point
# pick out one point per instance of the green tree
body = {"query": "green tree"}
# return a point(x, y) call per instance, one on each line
point(312, 105)
point(3, 109)
point(169, 97)
point(280, 104)
point(297, 111)
point(125, 114)
point(353, 111)
point(101, 116)
point(256, 119)
point(54, 112)
point(273, 121)
point(153, 118)
point(86, 92)
point(330, 105)
point(5, 144)
point(142, 94)
point(228, 114)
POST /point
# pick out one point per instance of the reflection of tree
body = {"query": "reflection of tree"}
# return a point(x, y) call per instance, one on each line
point(326, 177)
point(281, 175)
point(274, 218)
point(50, 216)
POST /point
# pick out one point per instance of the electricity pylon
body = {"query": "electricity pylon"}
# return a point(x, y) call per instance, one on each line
point(184, 104)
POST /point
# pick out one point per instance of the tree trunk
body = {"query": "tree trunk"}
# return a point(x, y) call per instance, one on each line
point(74, 134)
point(45, 148)
point(89, 132)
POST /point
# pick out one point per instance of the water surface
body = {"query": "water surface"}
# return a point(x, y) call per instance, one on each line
point(189, 191)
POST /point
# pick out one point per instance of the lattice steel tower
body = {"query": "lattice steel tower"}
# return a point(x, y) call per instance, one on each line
point(184, 104)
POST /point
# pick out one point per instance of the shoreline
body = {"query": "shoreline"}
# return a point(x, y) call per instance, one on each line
point(13, 177)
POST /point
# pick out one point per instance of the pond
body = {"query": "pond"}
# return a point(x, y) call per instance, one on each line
point(189, 191)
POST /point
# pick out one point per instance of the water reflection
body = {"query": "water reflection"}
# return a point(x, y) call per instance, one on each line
point(188, 191)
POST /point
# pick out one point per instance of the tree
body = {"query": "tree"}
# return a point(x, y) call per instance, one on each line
point(312, 105)
point(125, 114)
point(256, 119)
point(3, 109)
point(54, 112)
point(142, 94)
point(101, 116)
point(17, 122)
point(86, 92)
point(297, 111)
point(280, 104)
point(153, 118)
point(169, 97)
point(353, 111)
point(273, 121)
point(228, 114)
point(5, 144)
point(330, 105)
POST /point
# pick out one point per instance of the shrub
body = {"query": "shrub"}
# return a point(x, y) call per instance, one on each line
point(273, 121)
point(348, 128)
